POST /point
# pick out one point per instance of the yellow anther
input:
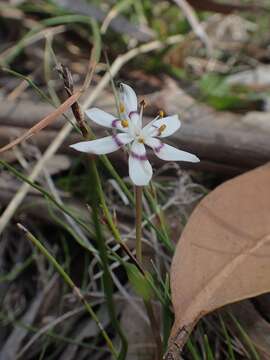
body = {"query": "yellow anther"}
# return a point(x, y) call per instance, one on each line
point(161, 129)
point(161, 113)
point(141, 140)
point(124, 123)
point(121, 108)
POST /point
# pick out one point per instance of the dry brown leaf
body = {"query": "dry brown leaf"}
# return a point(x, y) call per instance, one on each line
point(223, 254)
point(44, 122)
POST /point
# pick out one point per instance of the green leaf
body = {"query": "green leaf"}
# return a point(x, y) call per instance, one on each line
point(140, 283)
point(209, 353)
point(221, 95)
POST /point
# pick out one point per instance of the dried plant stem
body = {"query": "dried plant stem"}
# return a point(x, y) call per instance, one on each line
point(71, 284)
point(195, 24)
point(138, 207)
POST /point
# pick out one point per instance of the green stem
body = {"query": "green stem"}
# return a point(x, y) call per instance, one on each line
point(138, 207)
point(71, 284)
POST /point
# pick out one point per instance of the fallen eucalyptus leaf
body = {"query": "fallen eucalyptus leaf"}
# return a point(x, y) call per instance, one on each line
point(223, 254)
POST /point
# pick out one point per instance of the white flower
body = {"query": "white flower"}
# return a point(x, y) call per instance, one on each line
point(132, 132)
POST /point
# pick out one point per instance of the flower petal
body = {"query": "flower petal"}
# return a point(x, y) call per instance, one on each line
point(129, 98)
point(140, 169)
point(104, 119)
point(129, 104)
point(105, 145)
point(163, 127)
point(170, 153)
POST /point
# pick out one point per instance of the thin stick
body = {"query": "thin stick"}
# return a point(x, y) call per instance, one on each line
point(138, 207)
point(195, 24)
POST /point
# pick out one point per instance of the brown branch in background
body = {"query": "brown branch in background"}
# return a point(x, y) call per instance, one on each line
point(24, 114)
point(44, 122)
point(227, 151)
point(42, 139)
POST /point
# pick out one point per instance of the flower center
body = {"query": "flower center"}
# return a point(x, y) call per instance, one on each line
point(141, 140)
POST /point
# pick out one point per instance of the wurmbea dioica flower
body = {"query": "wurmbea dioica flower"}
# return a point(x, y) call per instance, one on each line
point(132, 133)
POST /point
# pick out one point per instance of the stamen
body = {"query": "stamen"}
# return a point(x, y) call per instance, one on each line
point(124, 123)
point(161, 129)
point(121, 108)
point(141, 140)
point(161, 113)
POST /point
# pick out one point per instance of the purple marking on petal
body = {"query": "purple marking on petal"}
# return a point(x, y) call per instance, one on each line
point(114, 123)
point(132, 113)
point(117, 140)
point(159, 147)
point(138, 157)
